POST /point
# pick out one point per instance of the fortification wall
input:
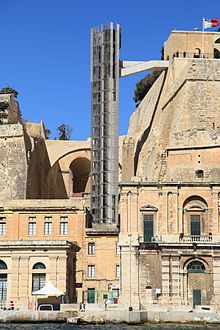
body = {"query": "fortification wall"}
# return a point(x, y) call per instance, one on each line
point(185, 116)
point(13, 162)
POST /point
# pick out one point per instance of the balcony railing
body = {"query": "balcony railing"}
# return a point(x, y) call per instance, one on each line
point(196, 238)
point(194, 55)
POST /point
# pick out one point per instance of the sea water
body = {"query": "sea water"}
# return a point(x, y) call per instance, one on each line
point(55, 326)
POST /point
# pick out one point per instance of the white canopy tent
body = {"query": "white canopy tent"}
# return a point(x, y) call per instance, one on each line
point(49, 290)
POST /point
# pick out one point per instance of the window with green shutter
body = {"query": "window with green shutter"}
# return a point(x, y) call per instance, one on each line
point(195, 225)
point(148, 227)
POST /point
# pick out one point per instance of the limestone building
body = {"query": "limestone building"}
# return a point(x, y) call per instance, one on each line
point(45, 227)
point(170, 190)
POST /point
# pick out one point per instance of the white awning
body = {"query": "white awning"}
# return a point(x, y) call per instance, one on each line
point(50, 290)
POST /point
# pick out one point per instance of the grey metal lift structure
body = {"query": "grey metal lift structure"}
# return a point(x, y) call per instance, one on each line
point(105, 44)
point(106, 69)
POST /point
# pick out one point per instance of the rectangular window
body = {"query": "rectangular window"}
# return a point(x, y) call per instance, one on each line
point(48, 218)
point(63, 228)
point(91, 271)
point(32, 219)
point(3, 287)
point(63, 218)
point(148, 227)
point(195, 226)
point(2, 225)
point(117, 271)
point(47, 228)
point(38, 281)
point(32, 228)
point(91, 248)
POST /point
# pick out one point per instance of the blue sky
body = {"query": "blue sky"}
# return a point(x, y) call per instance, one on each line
point(45, 51)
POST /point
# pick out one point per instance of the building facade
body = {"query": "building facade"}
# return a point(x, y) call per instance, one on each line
point(44, 217)
point(169, 199)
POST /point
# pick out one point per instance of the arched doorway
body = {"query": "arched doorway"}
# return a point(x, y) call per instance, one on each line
point(197, 53)
point(198, 282)
point(80, 171)
point(216, 53)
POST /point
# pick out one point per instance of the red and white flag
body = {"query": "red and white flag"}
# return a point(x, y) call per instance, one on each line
point(207, 23)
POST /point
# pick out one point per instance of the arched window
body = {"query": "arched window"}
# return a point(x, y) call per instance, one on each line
point(3, 265)
point(196, 267)
point(3, 281)
point(217, 41)
point(199, 174)
point(39, 265)
point(195, 218)
point(38, 276)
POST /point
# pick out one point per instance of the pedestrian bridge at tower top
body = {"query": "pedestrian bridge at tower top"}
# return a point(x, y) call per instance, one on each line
point(128, 68)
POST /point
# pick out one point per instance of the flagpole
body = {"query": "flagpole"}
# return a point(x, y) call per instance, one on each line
point(203, 35)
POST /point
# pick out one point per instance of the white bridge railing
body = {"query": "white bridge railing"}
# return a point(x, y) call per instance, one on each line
point(196, 238)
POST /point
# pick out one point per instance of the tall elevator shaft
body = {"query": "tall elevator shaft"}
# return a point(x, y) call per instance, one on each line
point(105, 45)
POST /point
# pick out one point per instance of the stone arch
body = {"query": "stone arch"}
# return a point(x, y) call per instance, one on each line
point(197, 259)
point(216, 53)
point(196, 52)
point(198, 281)
point(65, 164)
point(80, 172)
point(195, 199)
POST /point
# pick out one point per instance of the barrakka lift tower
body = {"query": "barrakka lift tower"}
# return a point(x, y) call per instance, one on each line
point(105, 74)
point(105, 44)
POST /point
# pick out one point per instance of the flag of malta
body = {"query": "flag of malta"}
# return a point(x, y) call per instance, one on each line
point(207, 23)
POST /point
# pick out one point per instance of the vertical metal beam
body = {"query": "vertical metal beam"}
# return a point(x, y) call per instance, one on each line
point(105, 44)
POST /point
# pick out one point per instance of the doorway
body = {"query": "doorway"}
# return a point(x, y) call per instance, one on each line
point(196, 297)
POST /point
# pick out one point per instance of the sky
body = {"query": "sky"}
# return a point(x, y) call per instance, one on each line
point(45, 51)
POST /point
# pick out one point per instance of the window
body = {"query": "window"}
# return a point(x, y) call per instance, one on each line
point(3, 265)
point(199, 174)
point(91, 248)
point(38, 281)
point(39, 265)
point(3, 281)
point(196, 267)
point(117, 271)
point(195, 226)
point(48, 218)
point(91, 271)
point(2, 225)
point(47, 228)
point(63, 228)
point(63, 218)
point(117, 249)
point(32, 219)
point(32, 228)
point(148, 227)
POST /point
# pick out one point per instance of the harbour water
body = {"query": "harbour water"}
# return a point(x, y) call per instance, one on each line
point(55, 326)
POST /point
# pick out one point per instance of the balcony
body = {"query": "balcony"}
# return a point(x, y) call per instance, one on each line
point(196, 238)
point(196, 55)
